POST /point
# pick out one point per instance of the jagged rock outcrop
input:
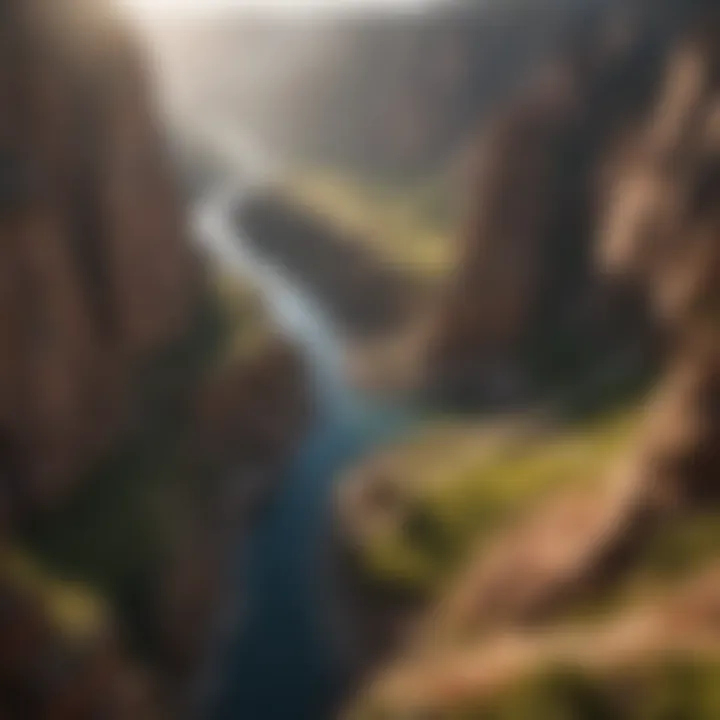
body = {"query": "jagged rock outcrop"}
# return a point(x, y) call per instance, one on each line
point(530, 309)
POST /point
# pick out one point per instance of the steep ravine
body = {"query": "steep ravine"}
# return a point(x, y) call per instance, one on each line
point(363, 295)
point(286, 658)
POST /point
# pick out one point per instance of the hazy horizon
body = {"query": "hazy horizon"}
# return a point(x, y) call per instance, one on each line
point(204, 7)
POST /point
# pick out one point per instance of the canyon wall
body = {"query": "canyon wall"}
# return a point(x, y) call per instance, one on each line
point(135, 441)
point(531, 308)
point(549, 551)
point(96, 272)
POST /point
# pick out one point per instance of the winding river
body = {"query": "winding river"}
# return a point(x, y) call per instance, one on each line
point(283, 660)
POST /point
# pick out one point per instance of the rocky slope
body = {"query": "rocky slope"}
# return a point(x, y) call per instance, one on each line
point(95, 274)
point(514, 545)
point(138, 428)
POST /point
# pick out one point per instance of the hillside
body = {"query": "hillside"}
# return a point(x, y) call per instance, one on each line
point(146, 404)
point(563, 562)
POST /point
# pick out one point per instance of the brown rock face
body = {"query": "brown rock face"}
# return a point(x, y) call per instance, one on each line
point(660, 229)
point(95, 274)
point(247, 411)
point(531, 307)
point(663, 232)
point(119, 433)
point(682, 626)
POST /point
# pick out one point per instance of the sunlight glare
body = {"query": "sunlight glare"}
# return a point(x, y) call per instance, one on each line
point(172, 6)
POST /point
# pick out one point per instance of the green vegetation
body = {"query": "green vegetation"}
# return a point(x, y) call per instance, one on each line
point(456, 488)
point(673, 689)
point(673, 553)
point(460, 486)
point(681, 547)
point(73, 610)
point(406, 225)
point(452, 492)
point(111, 533)
point(115, 530)
point(246, 330)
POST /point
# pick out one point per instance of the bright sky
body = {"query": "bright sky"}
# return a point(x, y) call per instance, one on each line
point(165, 6)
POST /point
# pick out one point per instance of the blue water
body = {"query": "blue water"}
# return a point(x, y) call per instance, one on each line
point(281, 662)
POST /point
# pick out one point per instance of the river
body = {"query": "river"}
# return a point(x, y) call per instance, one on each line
point(283, 660)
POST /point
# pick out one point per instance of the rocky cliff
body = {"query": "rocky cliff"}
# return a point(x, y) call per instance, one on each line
point(530, 307)
point(96, 273)
point(571, 569)
point(531, 311)
point(131, 425)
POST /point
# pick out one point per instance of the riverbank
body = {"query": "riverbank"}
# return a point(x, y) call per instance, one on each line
point(364, 296)
point(283, 658)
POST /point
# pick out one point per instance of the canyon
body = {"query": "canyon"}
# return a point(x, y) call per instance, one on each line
point(202, 513)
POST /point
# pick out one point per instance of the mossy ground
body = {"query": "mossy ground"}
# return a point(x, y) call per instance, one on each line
point(668, 689)
point(405, 224)
point(74, 610)
point(455, 506)
point(459, 488)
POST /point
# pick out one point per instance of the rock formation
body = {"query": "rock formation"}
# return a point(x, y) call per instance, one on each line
point(530, 309)
point(96, 273)
point(635, 186)
point(660, 228)
point(622, 652)
point(119, 432)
